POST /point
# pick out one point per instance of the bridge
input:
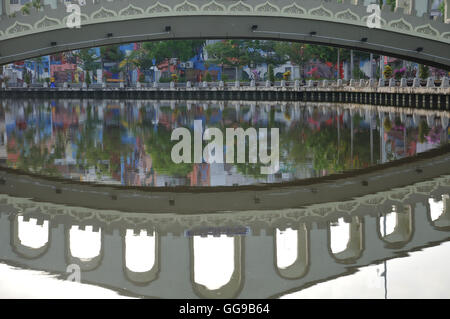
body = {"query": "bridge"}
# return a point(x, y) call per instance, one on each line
point(406, 32)
point(108, 245)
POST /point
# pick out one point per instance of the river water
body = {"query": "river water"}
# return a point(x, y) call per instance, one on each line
point(392, 243)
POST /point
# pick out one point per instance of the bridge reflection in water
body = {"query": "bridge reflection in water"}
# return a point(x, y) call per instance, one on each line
point(167, 255)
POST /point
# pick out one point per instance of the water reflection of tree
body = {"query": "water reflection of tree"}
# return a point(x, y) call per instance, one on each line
point(103, 155)
point(90, 153)
point(159, 145)
point(423, 131)
point(333, 154)
point(33, 156)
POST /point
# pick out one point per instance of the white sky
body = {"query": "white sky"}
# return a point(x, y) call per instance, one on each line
point(21, 283)
point(85, 244)
point(423, 274)
point(436, 208)
point(287, 247)
point(139, 251)
point(213, 260)
point(30, 234)
point(340, 234)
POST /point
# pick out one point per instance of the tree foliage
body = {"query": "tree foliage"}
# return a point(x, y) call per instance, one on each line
point(181, 49)
point(88, 59)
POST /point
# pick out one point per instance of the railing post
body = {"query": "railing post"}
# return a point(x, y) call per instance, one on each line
point(447, 11)
point(6, 10)
point(406, 5)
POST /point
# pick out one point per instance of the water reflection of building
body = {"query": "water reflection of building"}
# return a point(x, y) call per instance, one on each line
point(3, 138)
point(108, 141)
point(285, 250)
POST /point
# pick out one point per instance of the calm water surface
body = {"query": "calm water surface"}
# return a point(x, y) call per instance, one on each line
point(129, 143)
point(392, 244)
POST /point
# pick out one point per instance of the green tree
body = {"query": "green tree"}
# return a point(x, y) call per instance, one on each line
point(27, 78)
point(141, 59)
point(181, 49)
point(88, 78)
point(298, 53)
point(111, 53)
point(424, 71)
point(271, 74)
point(37, 4)
point(442, 7)
point(159, 145)
point(423, 131)
point(266, 51)
point(389, 3)
point(234, 53)
point(26, 8)
point(208, 77)
point(88, 60)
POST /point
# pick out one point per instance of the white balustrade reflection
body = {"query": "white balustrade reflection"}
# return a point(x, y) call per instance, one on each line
point(213, 260)
point(85, 244)
point(287, 247)
point(140, 251)
point(31, 234)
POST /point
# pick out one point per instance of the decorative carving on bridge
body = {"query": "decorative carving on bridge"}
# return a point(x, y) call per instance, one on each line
point(347, 15)
point(294, 9)
point(322, 211)
point(18, 27)
point(428, 30)
point(158, 8)
point(213, 6)
point(374, 200)
point(401, 24)
point(135, 220)
point(103, 13)
point(240, 7)
point(348, 206)
point(186, 6)
point(46, 22)
point(400, 195)
point(267, 8)
point(321, 12)
point(131, 11)
point(81, 215)
point(425, 188)
point(108, 218)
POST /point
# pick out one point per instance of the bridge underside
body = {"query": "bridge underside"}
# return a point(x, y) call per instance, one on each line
point(434, 53)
